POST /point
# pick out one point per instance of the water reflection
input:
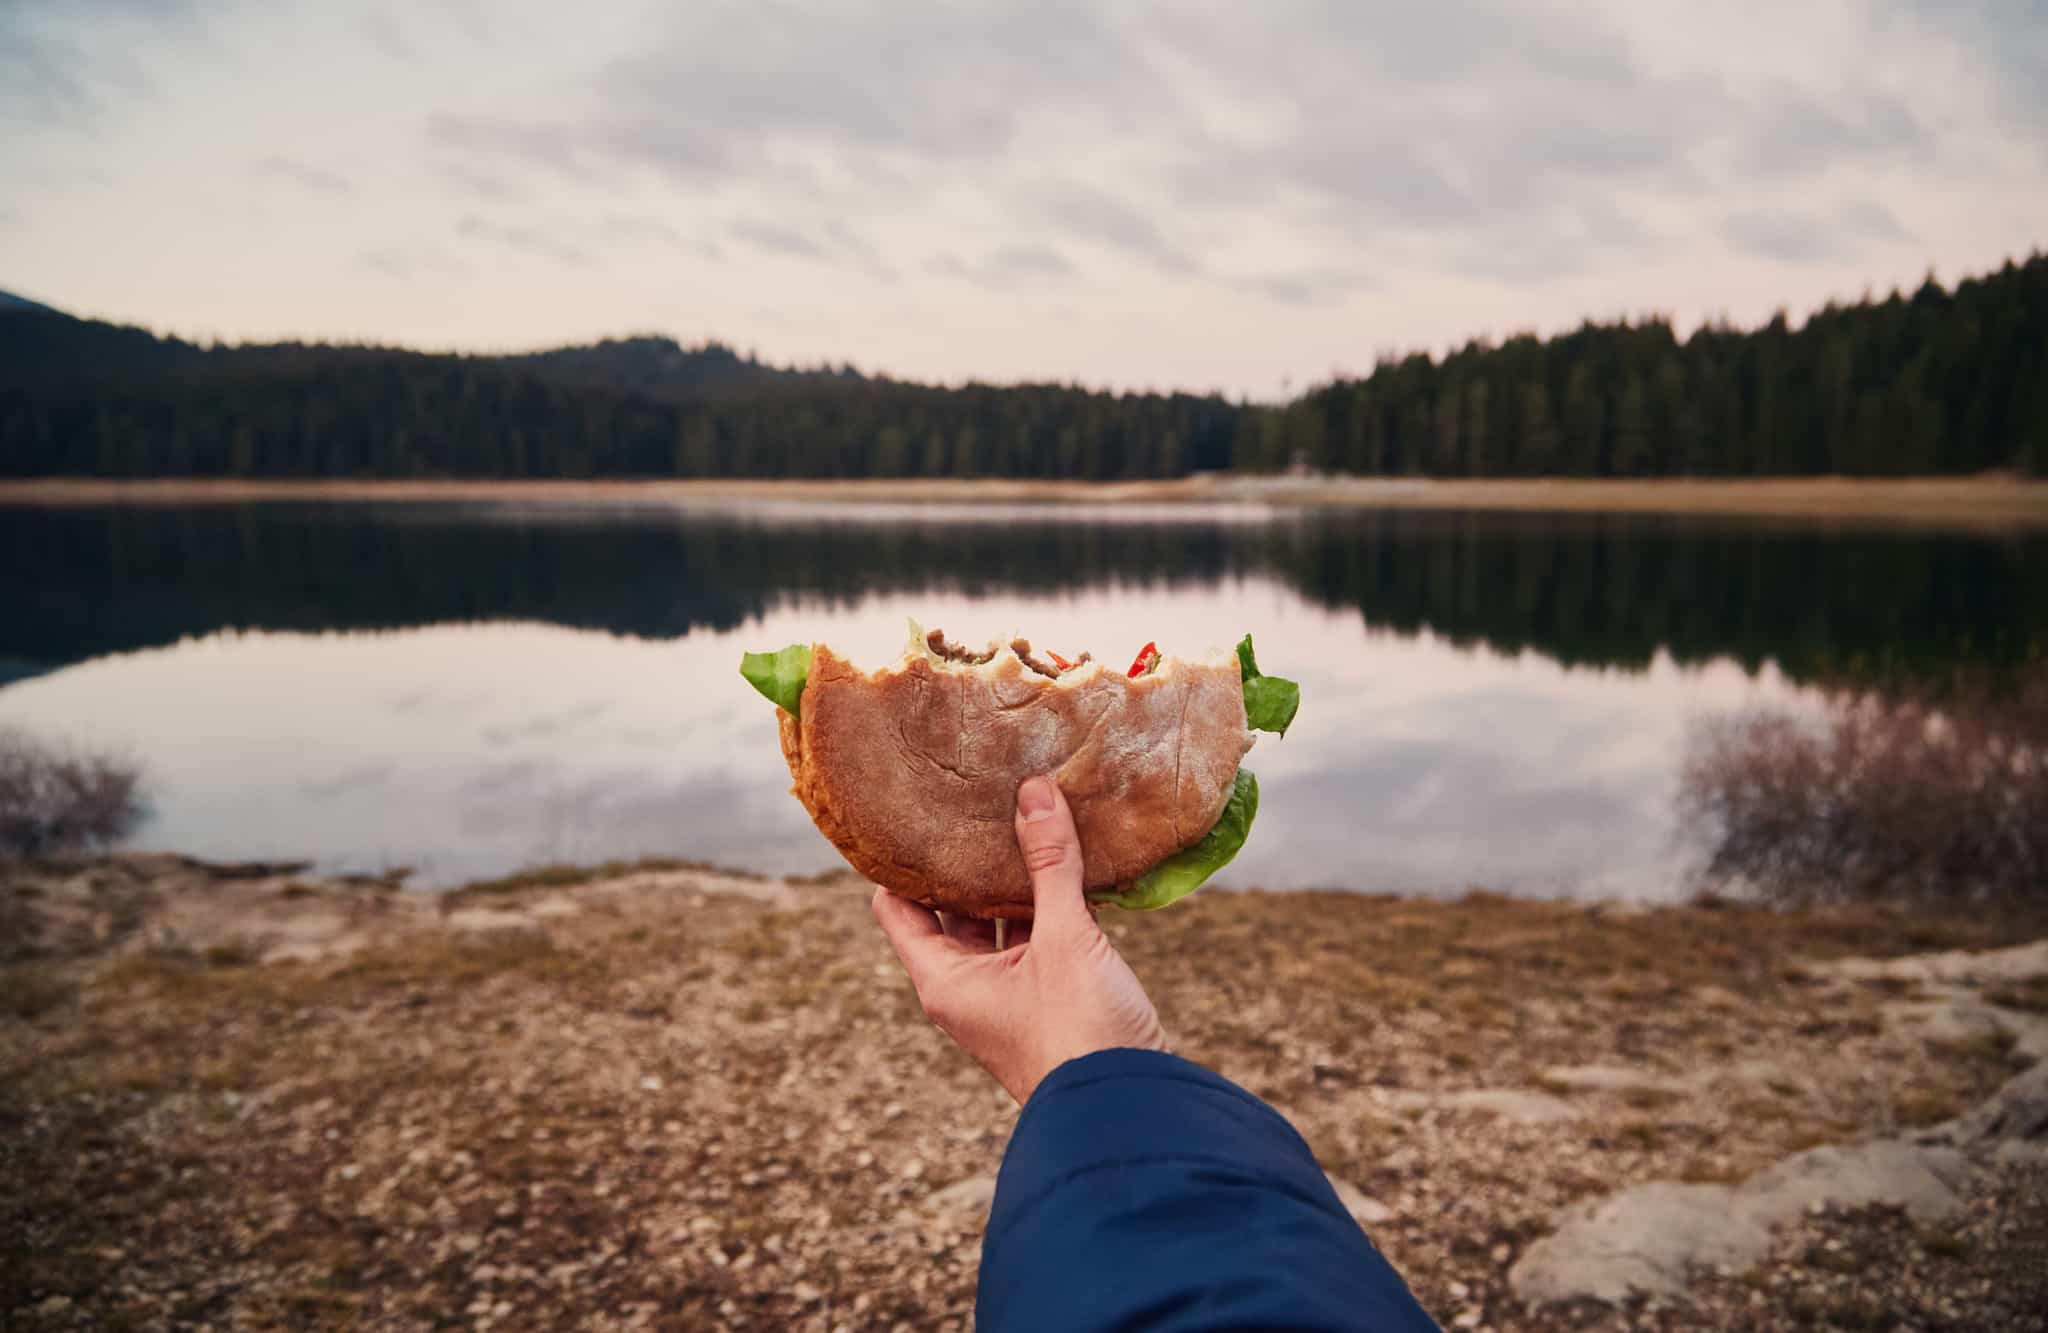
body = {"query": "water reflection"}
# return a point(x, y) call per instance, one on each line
point(1490, 699)
point(1611, 590)
point(467, 750)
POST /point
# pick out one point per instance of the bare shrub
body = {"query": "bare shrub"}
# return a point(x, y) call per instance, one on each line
point(56, 799)
point(1913, 796)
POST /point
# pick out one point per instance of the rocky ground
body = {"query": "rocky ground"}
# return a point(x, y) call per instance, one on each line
point(667, 1096)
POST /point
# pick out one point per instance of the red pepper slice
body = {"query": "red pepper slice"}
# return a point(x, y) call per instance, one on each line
point(1148, 657)
point(1058, 661)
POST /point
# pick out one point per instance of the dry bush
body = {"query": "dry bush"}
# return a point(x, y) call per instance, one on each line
point(55, 799)
point(1917, 796)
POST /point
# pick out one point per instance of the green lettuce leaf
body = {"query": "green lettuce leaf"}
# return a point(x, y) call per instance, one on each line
point(779, 676)
point(1270, 702)
point(1182, 873)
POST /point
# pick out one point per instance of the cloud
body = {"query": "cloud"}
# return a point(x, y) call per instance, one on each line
point(66, 66)
point(41, 81)
point(404, 262)
point(384, 33)
point(627, 227)
point(2007, 40)
point(1868, 217)
point(1799, 236)
point(476, 183)
point(1103, 218)
point(776, 239)
point(1795, 132)
point(1007, 266)
point(525, 240)
point(562, 148)
point(1496, 140)
point(833, 242)
point(1784, 235)
point(1305, 287)
point(293, 172)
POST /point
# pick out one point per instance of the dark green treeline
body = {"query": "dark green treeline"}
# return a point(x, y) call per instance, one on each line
point(1938, 382)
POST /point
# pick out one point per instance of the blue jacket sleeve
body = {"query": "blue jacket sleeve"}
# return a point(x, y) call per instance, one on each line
point(1144, 1192)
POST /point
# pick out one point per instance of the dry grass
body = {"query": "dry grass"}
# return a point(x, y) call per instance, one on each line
point(1908, 797)
point(56, 799)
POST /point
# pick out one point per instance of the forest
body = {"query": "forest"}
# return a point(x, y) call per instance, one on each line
point(1938, 381)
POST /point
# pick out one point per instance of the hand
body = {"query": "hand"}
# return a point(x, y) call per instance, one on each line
point(1060, 990)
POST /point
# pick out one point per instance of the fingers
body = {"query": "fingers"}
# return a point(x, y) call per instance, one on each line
point(1052, 853)
point(981, 936)
point(914, 933)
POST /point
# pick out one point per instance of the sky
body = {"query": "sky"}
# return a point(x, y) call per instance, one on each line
point(1208, 195)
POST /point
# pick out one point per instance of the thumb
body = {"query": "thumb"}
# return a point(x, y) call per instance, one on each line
point(1052, 853)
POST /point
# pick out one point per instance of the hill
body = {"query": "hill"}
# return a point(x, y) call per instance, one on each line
point(1938, 382)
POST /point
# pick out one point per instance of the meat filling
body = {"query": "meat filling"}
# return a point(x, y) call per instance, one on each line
point(945, 648)
point(953, 652)
point(1022, 647)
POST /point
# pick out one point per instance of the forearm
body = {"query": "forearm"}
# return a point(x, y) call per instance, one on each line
point(1142, 1191)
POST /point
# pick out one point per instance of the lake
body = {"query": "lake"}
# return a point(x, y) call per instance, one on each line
point(1489, 699)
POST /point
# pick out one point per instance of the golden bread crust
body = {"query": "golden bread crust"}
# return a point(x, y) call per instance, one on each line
point(912, 771)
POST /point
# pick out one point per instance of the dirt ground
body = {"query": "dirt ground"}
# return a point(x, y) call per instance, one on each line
point(661, 1095)
point(1985, 503)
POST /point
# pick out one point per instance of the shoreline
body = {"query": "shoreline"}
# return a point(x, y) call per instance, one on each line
point(1986, 502)
point(247, 1094)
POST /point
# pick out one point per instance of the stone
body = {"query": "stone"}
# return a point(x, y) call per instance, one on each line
point(1528, 1108)
point(1962, 1019)
point(1639, 1240)
point(974, 1194)
point(1644, 1240)
point(1613, 1078)
point(1925, 1181)
point(1957, 967)
point(1368, 1211)
point(2016, 1114)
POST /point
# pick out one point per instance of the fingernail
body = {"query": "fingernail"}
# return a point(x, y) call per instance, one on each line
point(1035, 799)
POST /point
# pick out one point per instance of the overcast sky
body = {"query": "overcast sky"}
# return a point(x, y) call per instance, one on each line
point(1206, 195)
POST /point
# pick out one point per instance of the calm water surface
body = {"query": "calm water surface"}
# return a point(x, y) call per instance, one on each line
point(1489, 699)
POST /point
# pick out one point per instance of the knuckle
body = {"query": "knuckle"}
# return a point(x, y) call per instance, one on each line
point(1047, 856)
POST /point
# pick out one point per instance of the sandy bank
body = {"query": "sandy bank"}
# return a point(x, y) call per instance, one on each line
point(672, 1096)
point(1989, 502)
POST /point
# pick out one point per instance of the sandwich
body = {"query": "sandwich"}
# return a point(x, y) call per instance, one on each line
point(912, 770)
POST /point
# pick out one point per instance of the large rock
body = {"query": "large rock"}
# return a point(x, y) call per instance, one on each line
point(2013, 1121)
point(1638, 1240)
point(1647, 1238)
point(1926, 1181)
point(1957, 967)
